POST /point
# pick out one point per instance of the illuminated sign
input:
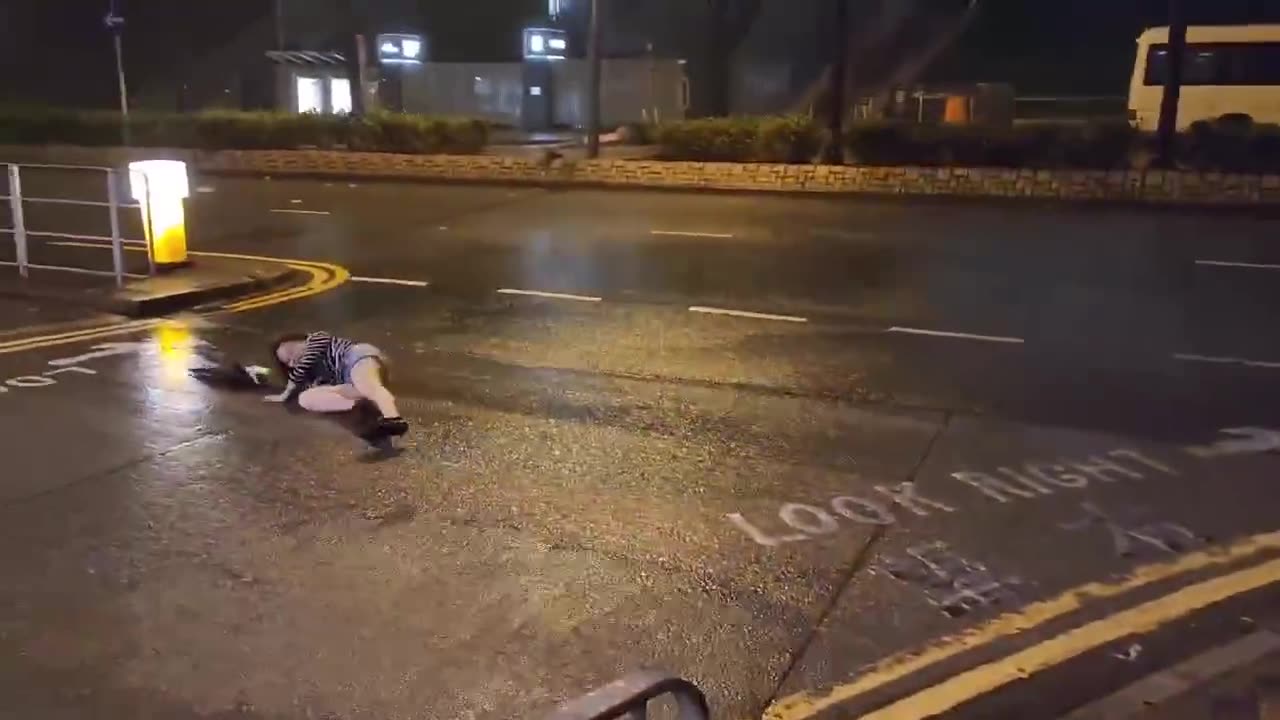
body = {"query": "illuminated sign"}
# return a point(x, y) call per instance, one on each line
point(396, 48)
point(545, 44)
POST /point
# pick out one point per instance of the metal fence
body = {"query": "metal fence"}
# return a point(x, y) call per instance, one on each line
point(628, 698)
point(22, 232)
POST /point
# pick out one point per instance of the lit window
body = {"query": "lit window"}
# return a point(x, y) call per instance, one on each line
point(536, 90)
point(557, 44)
point(340, 95)
point(411, 48)
point(537, 44)
point(310, 95)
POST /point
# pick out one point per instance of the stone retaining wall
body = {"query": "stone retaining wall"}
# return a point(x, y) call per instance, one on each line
point(1150, 186)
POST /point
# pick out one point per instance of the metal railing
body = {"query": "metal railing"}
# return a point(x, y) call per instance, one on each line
point(628, 698)
point(21, 232)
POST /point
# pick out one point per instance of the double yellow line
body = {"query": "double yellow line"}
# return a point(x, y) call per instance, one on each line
point(1262, 568)
point(323, 278)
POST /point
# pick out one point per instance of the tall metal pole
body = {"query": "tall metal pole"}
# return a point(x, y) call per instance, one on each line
point(115, 24)
point(353, 29)
point(278, 7)
point(839, 61)
point(1167, 131)
point(593, 82)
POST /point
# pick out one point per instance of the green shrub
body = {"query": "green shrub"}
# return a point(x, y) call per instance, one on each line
point(1231, 143)
point(1046, 145)
point(710, 139)
point(787, 140)
point(215, 130)
point(740, 139)
point(639, 133)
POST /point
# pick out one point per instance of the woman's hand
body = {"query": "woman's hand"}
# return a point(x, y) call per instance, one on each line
point(289, 389)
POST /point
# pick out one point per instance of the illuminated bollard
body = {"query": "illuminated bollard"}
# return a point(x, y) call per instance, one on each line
point(160, 187)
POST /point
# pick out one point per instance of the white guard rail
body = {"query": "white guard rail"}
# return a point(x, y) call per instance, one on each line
point(20, 231)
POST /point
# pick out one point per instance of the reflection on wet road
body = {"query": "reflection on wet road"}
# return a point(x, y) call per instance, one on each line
point(767, 444)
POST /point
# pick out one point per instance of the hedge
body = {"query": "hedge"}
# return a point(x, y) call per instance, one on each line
point(1233, 143)
point(225, 130)
point(740, 139)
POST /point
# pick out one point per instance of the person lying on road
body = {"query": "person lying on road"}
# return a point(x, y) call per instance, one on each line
point(329, 374)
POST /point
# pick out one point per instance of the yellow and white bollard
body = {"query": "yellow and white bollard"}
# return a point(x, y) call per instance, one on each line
point(160, 187)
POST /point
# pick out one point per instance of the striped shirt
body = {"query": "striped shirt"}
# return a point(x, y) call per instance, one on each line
point(322, 361)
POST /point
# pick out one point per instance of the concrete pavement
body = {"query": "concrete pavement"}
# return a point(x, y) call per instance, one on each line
point(939, 413)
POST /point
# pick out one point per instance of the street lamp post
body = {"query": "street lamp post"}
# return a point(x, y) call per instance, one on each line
point(593, 82)
point(115, 25)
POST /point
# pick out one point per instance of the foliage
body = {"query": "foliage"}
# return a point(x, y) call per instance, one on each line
point(1048, 145)
point(743, 139)
point(1232, 143)
point(379, 132)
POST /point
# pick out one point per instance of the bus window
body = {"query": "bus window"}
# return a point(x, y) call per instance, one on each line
point(1218, 64)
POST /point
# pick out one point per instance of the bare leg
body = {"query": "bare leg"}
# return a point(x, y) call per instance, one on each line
point(329, 399)
point(366, 376)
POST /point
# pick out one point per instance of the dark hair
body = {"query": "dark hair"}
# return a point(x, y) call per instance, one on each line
point(275, 350)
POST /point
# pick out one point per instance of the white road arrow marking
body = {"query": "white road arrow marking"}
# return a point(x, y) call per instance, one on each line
point(1253, 440)
point(101, 351)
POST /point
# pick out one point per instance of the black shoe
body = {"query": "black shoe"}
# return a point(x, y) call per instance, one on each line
point(379, 433)
point(393, 427)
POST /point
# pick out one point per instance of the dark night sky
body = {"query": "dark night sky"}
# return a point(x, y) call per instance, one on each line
point(56, 50)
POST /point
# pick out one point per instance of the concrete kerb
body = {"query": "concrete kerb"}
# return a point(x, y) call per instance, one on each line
point(163, 294)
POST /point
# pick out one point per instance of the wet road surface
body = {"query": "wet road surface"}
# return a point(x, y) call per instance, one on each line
point(779, 446)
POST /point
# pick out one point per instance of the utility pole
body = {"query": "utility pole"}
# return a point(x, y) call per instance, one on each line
point(115, 25)
point(1167, 132)
point(593, 82)
point(840, 59)
point(355, 52)
point(278, 8)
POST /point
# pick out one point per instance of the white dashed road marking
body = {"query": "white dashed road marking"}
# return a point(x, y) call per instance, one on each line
point(682, 233)
point(1228, 361)
point(391, 281)
point(552, 295)
point(747, 314)
point(1233, 264)
point(956, 335)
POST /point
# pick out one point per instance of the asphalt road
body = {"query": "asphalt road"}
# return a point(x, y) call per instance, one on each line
point(654, 429)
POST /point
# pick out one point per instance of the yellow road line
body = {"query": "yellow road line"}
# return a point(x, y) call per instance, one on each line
point(897, 667)
point(1144, 618)
point(84, 334)
point(324, 277)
